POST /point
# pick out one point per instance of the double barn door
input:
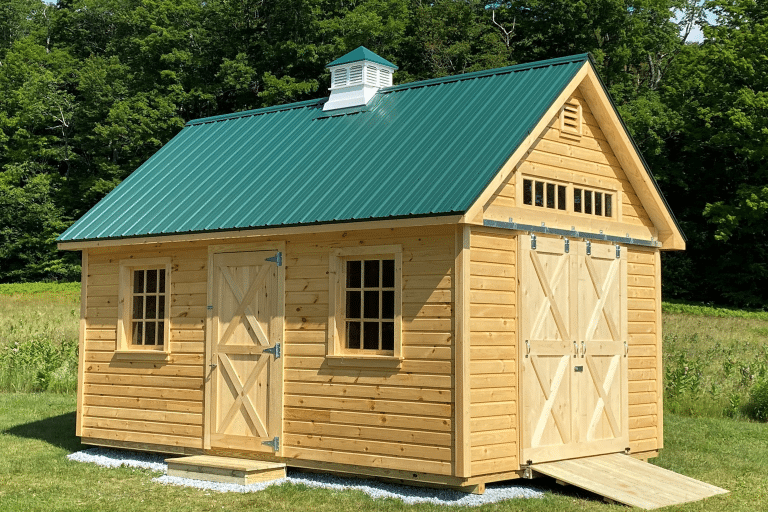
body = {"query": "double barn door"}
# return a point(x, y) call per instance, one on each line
point(573, 349)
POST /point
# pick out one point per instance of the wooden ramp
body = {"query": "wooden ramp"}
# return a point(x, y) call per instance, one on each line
point(225, 469)
point(627, 480)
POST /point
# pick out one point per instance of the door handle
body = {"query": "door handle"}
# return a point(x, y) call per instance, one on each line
point(575, 348)
point(626, 349)
point(583, 349)
point(528, 347)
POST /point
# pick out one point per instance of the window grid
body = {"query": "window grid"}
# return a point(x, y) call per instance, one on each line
point(544, 194)
point(369, 295)
point(592, 202)
point(148, 305)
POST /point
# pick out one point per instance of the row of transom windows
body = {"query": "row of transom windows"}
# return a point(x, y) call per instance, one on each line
point(554, 196)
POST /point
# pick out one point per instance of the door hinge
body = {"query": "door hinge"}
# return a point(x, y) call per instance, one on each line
point(277, 258)
point(567, 245)
point(210, 307)
point(533, 242)
point(275, 351)
point(618, 252)
point(274, 443)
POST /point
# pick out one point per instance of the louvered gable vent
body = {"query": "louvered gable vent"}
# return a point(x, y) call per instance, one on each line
point(356, 77)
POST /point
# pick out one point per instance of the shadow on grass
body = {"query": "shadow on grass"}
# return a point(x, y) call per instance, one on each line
point(58, 431)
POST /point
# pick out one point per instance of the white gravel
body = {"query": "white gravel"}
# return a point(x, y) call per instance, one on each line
point(376, 490)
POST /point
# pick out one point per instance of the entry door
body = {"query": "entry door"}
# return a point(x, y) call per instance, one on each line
point(245, 410)
point(573, 366)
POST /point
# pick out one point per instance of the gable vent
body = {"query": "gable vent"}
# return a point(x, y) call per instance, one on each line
point(356, 77)
point(571, 118)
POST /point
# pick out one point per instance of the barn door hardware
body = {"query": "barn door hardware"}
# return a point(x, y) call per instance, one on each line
point(575, 348)
point(213, 366)
point(567, 245)
point(210, 307)
point(277, 258)
point(589, 248)
point(618, 252)
point(528, 348)
point(275, 351)
point(583, 349)
point(533, 242)
point(274, 443)
point(626, 349)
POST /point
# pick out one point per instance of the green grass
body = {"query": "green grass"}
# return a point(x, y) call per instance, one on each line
point(713, 359)
point(38, 336)
point(37, 432)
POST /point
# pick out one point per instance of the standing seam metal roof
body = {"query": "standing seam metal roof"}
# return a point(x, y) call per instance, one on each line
point(419, 149)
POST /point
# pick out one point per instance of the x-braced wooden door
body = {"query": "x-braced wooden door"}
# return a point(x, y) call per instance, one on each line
point(245, 406)
point(573, 358)
point(603, 411)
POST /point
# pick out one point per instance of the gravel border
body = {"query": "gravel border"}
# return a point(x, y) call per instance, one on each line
point(377, 490)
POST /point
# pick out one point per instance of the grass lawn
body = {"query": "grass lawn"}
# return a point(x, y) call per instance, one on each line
point(37, 432)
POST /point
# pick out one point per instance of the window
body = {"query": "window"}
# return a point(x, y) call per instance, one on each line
point(143, 323)
point(546, 194)
point(364, 315)
point(592, 202)
point(571, 118)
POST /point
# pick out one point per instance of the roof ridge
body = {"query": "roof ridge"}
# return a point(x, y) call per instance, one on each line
point(394, 88)
point(489, 72)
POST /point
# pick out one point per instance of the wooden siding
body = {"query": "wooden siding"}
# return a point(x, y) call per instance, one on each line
point(645, 384)
point(389, 418)
point(493, 353)
point(148, 401)
point(587, 158)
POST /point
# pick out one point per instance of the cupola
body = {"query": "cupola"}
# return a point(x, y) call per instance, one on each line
point(355, 78)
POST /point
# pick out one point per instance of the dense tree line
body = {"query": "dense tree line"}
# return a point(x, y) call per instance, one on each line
point(89, 89)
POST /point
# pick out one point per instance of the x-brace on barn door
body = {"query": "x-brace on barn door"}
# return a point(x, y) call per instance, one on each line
point(245, 369)
point(573, 362)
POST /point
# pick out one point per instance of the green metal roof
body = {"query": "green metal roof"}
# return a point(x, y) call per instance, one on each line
point(361, 53)
point(419, 149)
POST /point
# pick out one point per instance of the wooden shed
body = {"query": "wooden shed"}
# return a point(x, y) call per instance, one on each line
point(450, 282)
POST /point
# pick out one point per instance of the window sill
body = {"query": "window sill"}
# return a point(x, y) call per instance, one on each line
point(142, 355)
point(361, 361)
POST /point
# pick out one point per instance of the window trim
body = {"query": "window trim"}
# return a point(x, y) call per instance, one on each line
point(336, 353)
point(124, 347)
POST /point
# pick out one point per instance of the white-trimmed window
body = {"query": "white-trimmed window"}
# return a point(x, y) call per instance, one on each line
point(144, 302)
point(365, 303)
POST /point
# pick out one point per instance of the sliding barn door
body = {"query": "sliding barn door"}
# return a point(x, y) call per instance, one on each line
point(603, 399)
point(548, 323)
point(573, 383)
point(245, 410)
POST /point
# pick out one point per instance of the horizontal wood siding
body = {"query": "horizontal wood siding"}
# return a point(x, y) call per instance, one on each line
point(148, 402)
point(587, 156)
point(493, 353)
point(645, 386)
point(397, 419)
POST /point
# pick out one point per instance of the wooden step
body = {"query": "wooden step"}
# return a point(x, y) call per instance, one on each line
point(225, 469)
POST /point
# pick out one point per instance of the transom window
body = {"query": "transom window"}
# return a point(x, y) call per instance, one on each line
point(592, 202)
point(544, 194)
point(370, 304)
point(148, 307)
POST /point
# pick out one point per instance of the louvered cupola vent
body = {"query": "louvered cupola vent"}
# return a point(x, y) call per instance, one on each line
point(356, 77)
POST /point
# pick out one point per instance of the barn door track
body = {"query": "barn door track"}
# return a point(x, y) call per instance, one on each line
point(624, 479)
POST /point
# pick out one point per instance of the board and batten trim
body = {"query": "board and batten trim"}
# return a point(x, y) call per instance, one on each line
point(462, 454)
